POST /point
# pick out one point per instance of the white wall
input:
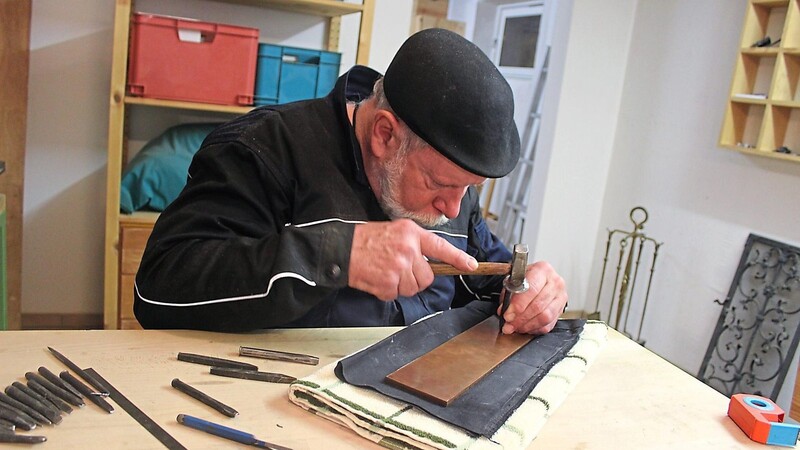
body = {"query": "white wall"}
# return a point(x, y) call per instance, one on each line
point(703, 200)
point(577, 138)
point(63, 209)
point(648, 136)
point(392, 26)
point(64, 206)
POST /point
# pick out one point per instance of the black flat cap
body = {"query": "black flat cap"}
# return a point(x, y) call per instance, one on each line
point(451, 95)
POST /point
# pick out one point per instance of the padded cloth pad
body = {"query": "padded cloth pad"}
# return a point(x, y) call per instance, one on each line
point(397, 425)
point(487, 404)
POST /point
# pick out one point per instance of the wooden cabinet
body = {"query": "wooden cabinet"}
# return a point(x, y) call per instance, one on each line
point(126, 235)
point(3, 289)
point(763, 111)
point(133, 239)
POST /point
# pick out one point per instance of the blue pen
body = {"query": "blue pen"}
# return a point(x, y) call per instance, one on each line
point(225, 432)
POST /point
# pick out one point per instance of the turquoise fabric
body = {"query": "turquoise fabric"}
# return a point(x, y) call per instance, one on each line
point(157, 174)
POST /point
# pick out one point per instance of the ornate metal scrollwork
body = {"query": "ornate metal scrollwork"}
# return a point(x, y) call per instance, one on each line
point(759, 326)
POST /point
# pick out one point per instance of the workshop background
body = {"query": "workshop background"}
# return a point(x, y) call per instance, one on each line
point(633, 107)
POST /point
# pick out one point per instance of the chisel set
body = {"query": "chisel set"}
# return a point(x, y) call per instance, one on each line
point(45, 397)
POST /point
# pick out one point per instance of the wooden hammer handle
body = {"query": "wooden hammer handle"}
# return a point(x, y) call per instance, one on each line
point(484, 268)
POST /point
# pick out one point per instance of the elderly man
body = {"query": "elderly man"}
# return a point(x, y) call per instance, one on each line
point(325, 212)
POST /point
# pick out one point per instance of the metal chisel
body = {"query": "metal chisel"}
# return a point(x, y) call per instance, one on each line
point(225, 432)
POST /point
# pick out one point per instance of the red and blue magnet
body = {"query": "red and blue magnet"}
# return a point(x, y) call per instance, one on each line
point(762, 420)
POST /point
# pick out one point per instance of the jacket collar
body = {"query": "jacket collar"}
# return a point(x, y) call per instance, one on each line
point(354, 86)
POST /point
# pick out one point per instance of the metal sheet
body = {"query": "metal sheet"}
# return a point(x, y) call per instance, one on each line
point(445, 372)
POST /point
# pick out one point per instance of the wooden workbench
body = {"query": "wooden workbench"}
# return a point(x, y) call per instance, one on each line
point(630, 398)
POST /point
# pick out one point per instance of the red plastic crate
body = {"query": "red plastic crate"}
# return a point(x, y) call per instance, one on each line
point(175, 58)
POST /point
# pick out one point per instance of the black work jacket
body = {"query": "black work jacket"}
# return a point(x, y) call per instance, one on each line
point(260, 236)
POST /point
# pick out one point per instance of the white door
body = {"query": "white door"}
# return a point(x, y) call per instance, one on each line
point(520, 42)
point(518, 50)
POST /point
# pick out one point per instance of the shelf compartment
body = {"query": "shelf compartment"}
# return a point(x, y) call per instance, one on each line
point(785, 129)
point(754, 73)
point(787, 73)
point(764, 18)
point(742, 125)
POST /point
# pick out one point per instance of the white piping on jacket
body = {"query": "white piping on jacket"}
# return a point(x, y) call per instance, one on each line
point(336, 219)
point(230, 299)
point(317, 222)
point(449, 234)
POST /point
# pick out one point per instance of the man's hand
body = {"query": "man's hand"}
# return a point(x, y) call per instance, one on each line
point(536, 310)
point(387, 259)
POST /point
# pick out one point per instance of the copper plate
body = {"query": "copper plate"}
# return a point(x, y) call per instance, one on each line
point(445, 372)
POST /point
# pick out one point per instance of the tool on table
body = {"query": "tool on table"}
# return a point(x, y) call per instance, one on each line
point(53, 378)
point(52, 414)
point(49, 396)
point(484, 268)
point(214, 362)
point(11, 403)
point(13, 438)
point(19, 419)
point(205, 398)
point(515, 283)
point(269, 377)
point(276, 355)
point(83, 389)
point(153, 428)
point(101, 390)
point(5, 425)
point(225, 432)
point(56, 389)
point(761, 420)
point(27, 390)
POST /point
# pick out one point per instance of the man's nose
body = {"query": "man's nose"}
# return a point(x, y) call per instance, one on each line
point(448, 202)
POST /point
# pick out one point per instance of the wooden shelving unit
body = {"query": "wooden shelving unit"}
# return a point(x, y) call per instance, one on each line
point(125, 235)
point(763, 111)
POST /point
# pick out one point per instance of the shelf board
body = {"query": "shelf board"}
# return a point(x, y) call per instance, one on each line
point(765, 154)
point(786, 103)
point(759, 51)
point(139, 218)
point(794, 51)
point(771, 3)
point(228, 109)
point(749, 101)
point(325, 8)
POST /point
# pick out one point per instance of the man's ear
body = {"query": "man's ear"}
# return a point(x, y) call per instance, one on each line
point(384, 134)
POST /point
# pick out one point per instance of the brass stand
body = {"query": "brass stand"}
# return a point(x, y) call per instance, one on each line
point(632, 245)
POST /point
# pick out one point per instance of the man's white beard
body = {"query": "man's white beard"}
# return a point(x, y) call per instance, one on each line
point(389, 175)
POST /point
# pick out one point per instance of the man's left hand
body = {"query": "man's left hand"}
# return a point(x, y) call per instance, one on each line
point(536, 310)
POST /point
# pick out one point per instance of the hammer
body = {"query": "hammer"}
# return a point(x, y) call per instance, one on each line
point(514, 282)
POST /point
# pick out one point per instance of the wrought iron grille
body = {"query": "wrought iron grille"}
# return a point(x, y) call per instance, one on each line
point(759, 326)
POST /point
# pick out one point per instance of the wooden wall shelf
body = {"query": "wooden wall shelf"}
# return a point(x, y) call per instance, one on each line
point(763, 113)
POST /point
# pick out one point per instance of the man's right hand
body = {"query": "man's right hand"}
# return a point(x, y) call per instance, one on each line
point(387, 259)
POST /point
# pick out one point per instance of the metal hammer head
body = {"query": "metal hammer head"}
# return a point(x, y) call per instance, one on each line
point(519, 262)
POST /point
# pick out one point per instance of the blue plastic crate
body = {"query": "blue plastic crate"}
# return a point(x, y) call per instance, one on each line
point(287, 74)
